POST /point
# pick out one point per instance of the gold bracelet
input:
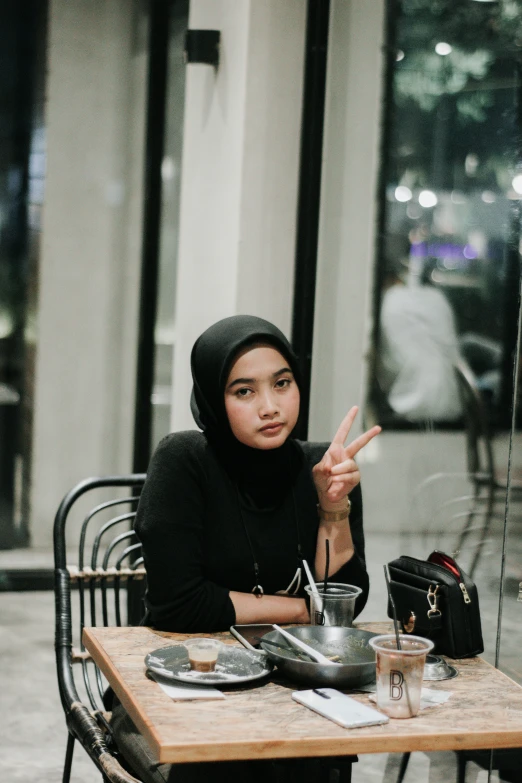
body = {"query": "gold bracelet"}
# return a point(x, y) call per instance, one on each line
point(335, 516)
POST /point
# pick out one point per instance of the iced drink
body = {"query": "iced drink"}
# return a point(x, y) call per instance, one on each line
point(400, 673)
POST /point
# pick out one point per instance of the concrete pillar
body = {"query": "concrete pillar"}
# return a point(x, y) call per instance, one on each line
point(239, 175)
point(348, 212)
point(91, 243)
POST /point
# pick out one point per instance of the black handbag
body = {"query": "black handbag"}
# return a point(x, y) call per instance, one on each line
point(436, 599)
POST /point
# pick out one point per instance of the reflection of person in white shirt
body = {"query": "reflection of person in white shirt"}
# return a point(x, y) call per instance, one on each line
point(418, 350)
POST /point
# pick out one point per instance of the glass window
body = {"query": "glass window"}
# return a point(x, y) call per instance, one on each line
point(22, 178)
point(447, 283)
point(447, 290)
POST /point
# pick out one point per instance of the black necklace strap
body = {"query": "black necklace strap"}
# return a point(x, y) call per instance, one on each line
point(296, 520)
point(257, 589)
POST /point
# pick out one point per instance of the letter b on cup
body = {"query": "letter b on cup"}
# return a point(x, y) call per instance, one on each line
point(396, 681)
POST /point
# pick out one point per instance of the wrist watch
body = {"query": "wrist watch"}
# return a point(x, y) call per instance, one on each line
point(335, 516)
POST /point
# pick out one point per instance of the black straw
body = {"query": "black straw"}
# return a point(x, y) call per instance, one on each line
point(327, 566)
point(394, 610)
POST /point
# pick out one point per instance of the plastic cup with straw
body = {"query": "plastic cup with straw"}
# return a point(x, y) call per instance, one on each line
point(312, 584)
point(318, 602)
point(400, 667)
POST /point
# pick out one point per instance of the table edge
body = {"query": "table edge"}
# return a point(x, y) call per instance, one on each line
point(115, 681)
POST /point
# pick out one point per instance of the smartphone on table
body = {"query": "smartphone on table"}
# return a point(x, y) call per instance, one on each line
point(340, 708)
point(251, 633)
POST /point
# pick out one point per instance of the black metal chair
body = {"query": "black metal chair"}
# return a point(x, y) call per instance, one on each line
point(106, 586)
point(486, 480)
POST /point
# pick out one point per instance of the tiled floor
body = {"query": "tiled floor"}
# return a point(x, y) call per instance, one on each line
point(33, 736)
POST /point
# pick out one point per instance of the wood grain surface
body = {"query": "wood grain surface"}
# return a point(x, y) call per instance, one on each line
point(262, 721)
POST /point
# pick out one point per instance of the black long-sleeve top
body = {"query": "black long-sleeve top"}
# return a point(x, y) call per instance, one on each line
point(195, 546)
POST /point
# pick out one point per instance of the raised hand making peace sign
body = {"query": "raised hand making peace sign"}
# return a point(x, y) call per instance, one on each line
point(337, 473)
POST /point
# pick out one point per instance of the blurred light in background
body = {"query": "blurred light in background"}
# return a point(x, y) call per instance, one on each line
point(413, 211)
point(457, 197)
point(402, 193)
point(517, 184)
point(488, 197)
point(443, 48)
point(427, 198)
point(471, 164)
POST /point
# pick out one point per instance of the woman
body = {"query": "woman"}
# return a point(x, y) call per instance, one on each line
point(227, 515)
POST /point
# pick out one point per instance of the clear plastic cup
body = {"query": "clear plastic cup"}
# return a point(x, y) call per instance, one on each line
point(400, 673)
point(203, 654)
point(335, 606)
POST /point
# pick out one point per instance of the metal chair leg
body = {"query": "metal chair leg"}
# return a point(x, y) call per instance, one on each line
point(68, 759)
point(472, 513)
point(461, 767)
point(346, 768)
point(335, 770)
point(403, 767)
point(485, 528)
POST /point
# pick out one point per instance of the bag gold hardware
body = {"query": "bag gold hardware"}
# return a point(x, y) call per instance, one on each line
point(433, 600)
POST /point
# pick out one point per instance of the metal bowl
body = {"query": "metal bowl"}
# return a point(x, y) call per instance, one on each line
point(357, 666)
point(436, 668)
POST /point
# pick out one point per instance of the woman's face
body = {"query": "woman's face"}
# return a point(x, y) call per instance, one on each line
point(261, 398)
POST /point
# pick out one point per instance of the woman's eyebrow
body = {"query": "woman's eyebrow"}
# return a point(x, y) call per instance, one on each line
point(281, 372)
point(239, 381)
point(242, 381)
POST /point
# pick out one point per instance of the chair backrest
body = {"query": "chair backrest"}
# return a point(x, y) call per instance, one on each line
point(103, 583)
point(481, 463)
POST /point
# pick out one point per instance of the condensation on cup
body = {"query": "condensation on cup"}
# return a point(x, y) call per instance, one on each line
point(400, 673)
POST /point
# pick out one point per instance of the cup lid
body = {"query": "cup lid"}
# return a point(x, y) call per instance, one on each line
point(411, 645)
point(335, 590)
point(206, 642)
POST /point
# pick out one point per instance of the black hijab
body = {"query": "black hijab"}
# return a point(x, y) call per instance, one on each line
point(263, 477)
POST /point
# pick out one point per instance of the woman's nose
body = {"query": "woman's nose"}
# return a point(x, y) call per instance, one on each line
point(267, 404)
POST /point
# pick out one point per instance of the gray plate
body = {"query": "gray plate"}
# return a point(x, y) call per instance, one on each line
point(234, 665)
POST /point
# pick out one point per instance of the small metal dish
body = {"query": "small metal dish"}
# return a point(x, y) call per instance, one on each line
point(436, 668)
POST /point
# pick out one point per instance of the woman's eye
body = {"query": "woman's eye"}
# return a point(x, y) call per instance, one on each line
point(243, 392)
point(282, 382)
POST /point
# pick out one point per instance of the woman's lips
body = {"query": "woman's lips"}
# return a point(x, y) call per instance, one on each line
point(271, 429)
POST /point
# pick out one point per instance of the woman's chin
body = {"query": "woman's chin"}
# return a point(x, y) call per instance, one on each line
point(271, 445)
point(266, 442)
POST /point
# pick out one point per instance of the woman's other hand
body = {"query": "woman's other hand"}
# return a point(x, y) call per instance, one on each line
point(337, 473)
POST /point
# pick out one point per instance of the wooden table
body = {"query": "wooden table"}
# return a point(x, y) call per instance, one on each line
point(485, 711)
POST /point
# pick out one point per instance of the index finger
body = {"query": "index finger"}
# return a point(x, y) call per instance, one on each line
point(361, 441)
point(345, 426)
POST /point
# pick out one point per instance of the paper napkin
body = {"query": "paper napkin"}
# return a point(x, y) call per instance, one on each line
point(182, 692)
point(429, 698)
